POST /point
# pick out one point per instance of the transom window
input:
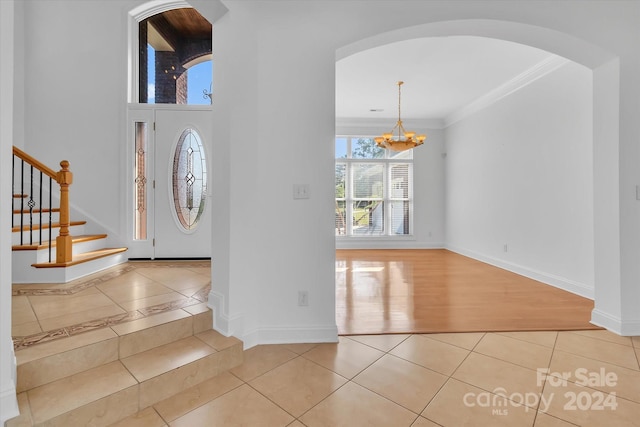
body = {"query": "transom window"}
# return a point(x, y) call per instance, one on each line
point(374, 189)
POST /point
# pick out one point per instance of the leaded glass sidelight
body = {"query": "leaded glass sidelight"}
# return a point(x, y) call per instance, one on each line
point(140, 181)
point(189, 179)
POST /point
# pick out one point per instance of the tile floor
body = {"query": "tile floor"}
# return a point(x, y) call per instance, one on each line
point(585, 378)
point(483, 379)
point(135, 290)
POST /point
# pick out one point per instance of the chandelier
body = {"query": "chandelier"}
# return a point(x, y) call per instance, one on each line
point(398, 143)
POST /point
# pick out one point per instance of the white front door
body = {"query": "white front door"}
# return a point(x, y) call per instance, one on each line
point(177, 218)
point(182, 193)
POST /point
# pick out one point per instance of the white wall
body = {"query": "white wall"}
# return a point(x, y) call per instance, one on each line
point(8, 402)
point(520, 173)
point(276, 130)
point(75, 97)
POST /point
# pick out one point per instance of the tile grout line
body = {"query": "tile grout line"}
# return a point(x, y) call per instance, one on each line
point(19, 342)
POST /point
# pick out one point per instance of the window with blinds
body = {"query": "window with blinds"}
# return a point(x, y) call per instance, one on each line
point(373, 189)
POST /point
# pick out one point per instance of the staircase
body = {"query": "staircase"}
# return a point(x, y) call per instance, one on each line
point(47, 246)
point(112, 374)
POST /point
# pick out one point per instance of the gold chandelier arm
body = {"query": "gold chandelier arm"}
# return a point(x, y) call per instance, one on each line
point(400, 83)
point(401, 144)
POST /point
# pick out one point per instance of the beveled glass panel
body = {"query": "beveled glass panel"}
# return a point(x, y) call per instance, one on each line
point(140, 182)
point(189, 179)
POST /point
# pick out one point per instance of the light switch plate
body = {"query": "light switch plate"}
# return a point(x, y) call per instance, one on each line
point(300, 191)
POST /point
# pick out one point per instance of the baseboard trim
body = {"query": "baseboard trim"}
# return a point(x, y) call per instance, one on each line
point(615, 324)
point(290, 335)
point(222, 322)
point(8, 396)
point(373, 243)
point(549, 279)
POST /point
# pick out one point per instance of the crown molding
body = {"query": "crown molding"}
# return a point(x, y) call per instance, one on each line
point(539, 70)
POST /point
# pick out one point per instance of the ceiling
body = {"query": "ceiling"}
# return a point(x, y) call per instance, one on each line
point(188, 23)
point(167, 30)
point(441, 75)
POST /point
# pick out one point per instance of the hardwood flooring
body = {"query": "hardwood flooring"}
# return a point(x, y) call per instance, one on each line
point(426, 291)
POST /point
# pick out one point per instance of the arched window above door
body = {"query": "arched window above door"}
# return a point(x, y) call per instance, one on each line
point(174, 58)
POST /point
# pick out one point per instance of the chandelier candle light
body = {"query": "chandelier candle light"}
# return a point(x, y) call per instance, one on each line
point(410, 140)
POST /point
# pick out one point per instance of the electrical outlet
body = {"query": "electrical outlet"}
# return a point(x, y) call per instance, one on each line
point(303, 298)
point(506, 248)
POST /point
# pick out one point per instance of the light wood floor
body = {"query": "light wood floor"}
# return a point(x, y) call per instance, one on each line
point(421, 291)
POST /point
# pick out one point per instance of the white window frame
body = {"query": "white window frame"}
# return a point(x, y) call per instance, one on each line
point(387, 200)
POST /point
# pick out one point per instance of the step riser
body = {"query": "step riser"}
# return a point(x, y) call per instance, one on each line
point(173, 382)
point(35, 218)
point(108, 347)
point(23, 274)
point(95, 352)
point(42, 255)
point(29, 257)
point(124, 403)
point(35, 235)
point(52, 368)
point(148, 339)
point(101, 413)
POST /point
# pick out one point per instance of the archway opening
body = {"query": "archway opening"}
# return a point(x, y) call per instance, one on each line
point(605, 166)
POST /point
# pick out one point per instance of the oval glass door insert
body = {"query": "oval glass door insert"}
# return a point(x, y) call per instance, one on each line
point(189, 179)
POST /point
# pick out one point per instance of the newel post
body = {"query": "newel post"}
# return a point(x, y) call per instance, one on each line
point(63, 241)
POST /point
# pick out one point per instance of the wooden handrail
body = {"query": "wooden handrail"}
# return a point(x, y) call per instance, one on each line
point(35, 163)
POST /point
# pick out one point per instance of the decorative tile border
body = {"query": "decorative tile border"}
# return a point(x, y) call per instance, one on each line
point(55, 289)
point(41, 289)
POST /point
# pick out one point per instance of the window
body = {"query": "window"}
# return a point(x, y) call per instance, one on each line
point(189, 179)
point(174, 58)
point(374, 189)
point(140, 174)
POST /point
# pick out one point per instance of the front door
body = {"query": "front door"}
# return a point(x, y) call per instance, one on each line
point(182, 199)
point(178, 218)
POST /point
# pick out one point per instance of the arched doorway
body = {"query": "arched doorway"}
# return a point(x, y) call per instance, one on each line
point(170, 97)
point(606, 167)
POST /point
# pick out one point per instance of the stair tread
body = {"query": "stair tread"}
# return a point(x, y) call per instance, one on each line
point(67, 394)
point(44, 226)
point(80, 258)
point(45, 244)
point(159, 360)
point(55, 347)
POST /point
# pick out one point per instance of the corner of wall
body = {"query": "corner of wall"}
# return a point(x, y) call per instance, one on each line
point(8, 393)
point(290, 335)
point(615, 324)
point(234, 326)
point(222, 322)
